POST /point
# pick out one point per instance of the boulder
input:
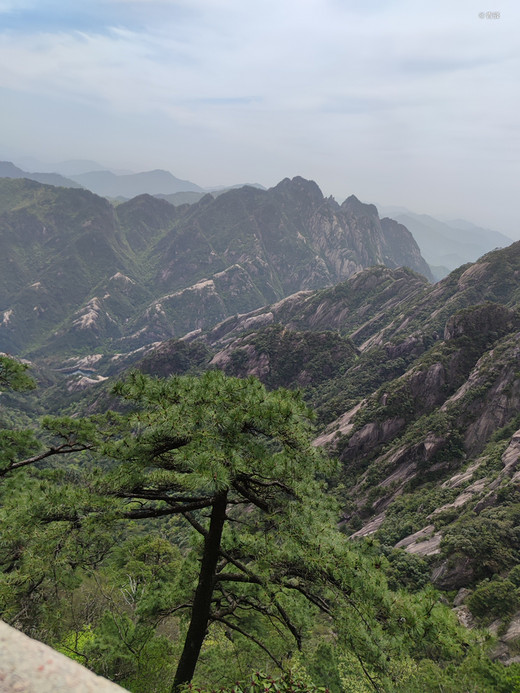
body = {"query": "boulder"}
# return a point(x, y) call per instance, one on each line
point(29, 666)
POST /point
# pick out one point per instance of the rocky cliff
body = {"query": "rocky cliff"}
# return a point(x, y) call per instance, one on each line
point(424, 417)
point(78, 273)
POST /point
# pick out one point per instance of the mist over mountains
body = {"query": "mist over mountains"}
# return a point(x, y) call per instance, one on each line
point(9, 170)
point(115, 184)
point(108, 184)
point(445, 245)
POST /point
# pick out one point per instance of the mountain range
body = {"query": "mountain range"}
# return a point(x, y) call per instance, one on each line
point(9, 170)
point(108, 184)
point(444, 244)
point(422, 410)
point(416, 386)
point(78, 273)
point(117, 185)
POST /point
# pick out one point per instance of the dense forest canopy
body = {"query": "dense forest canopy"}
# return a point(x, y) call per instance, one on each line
point(192, 536)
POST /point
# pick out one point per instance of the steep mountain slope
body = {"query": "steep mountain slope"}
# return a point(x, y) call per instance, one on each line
point(56, 245)
point(417, 391)
point(79, 273)
point(250, 247)
point(287, 238)
point(429, 435)
point(393, 318)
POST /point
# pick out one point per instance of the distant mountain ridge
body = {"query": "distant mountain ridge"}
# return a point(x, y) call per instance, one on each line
point(65, 168)
point(119, 185)
point(9, 170)
point(108, 184)
point(446, 245)
point(190, 197)
point(77, 273)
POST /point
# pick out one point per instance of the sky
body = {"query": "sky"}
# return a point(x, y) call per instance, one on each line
point(400, 102)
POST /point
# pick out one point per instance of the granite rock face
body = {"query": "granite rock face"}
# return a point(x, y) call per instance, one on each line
point(29, 666)
point(77, 271)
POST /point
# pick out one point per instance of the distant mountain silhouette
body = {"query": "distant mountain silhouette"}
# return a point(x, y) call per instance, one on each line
point(9, 170)
point(446, 245)
point(108, 184)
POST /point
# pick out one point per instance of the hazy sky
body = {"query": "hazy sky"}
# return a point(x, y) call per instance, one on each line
point(402, 102)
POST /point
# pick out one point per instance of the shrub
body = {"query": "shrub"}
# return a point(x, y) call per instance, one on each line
point(494, 599)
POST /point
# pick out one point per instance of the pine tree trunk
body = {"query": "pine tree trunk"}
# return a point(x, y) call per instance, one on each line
point(203, 594)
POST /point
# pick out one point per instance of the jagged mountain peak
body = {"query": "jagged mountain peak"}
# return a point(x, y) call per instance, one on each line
point(353, 205)
point(298, 186)
point(145, 204)
point(193, 265)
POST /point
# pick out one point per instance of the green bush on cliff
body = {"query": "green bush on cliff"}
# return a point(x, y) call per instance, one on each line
point(494, 599)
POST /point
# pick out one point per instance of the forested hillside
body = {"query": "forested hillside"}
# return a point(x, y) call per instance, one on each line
point(192, 537)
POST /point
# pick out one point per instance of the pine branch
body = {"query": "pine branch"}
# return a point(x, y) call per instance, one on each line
point(63, 449)
point(232, 626)
point(172, 510)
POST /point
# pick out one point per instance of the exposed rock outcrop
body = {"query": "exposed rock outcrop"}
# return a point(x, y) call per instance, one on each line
point(29, 666)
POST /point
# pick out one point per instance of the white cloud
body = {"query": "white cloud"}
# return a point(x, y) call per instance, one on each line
point(398, 89)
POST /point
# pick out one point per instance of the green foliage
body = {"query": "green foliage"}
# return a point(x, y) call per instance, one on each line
point(491, 539)
point(46, 545)
point(303, 358)
point(476, 673)
point(406, 571)
point(494, 599)
point(514, 575)
point(342, 391)
point(262, 683)
point(13, 375)
point(411, 512)
point(14, 445)
point(105, 561)
point(175, 357)
point(505, 433)
point(190, 441)
point(74, 644)
point(204, 432)
point(129, 653)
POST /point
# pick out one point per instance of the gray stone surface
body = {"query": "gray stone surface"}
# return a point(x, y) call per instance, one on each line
point(423, 543)
point(29, 666)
